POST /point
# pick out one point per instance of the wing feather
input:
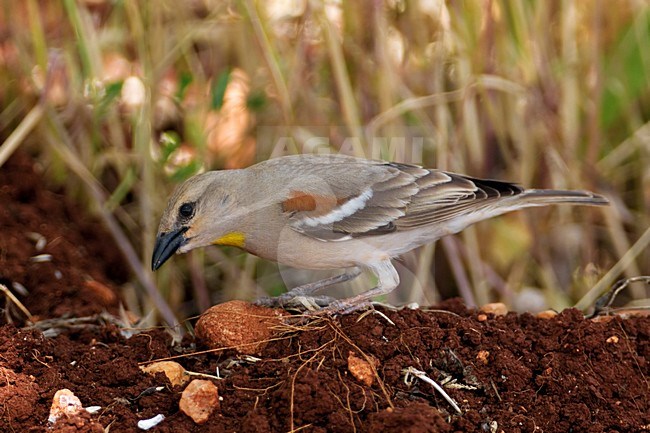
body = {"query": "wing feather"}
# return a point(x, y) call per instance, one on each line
point(369, 197)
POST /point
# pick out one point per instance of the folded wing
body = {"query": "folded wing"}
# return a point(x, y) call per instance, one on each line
point(386, 197)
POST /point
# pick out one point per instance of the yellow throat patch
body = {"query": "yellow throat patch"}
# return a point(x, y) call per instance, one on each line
point(232, 239)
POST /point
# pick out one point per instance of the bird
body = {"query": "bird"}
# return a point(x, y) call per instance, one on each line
point(336, 212)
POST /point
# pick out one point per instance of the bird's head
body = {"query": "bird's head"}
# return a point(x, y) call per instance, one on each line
point(199, 213)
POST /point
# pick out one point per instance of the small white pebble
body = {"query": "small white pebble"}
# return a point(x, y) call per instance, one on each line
point(40, 244)
point(41, 258)
point(251, 359)
point(93, 409)
point(58, 275)
point(19, 288)
point(38, 239)
point(64, 403)
point(146, 424)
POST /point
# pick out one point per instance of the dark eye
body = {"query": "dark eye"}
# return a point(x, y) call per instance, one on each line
point(186, 210)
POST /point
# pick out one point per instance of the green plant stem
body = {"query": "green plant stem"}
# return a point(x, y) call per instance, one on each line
point(18, 135)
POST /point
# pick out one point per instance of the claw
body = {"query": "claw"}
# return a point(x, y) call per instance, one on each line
point(340, 307)
point(300, 303)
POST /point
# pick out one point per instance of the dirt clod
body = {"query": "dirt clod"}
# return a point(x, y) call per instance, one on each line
point(174, 372)
point(546, 314)
point(199, 400)
point(239, 325)
point(496, 308)
point(361, 369)
point(483, 356)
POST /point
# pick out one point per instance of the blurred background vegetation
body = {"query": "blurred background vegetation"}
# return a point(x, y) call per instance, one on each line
point(121, 100)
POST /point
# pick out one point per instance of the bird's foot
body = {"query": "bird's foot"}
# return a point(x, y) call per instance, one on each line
point(313, 305)
point(340, 307)
point(302, 298)
point(300, 303)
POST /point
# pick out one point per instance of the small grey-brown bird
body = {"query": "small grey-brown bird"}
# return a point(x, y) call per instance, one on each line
point(334, 211)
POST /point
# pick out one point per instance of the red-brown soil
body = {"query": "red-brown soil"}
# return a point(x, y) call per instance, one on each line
point(513, 373)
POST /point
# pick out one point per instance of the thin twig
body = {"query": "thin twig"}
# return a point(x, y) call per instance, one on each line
point(15, 300)
point(18, 135)
point(423, 377)
point(604, 302)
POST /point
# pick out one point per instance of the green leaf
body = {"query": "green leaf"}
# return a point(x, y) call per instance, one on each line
point(256, 101)
point(111, 92)
point(183, 83)
point(169, 142)
point(185, 172)
point(219, 90)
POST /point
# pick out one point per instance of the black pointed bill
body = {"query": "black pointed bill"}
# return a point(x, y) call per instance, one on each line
point(166, 245)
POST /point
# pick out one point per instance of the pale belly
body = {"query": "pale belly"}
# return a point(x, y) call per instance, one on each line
point(300, 251)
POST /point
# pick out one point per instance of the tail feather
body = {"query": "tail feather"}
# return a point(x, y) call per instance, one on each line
point(541, 197)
